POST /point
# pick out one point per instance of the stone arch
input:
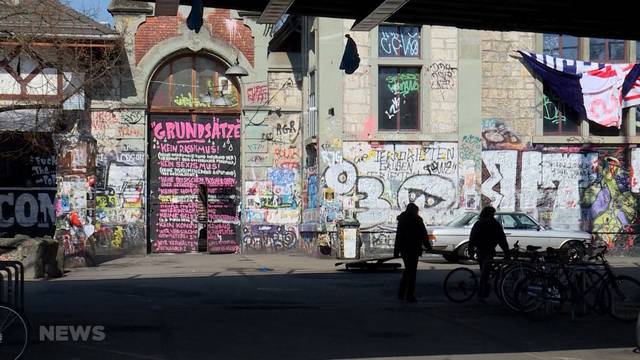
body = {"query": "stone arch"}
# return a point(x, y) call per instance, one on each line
point(186, 43)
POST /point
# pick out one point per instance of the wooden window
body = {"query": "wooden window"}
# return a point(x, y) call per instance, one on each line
point(313, 109)
point(562, 46)
point(607, 50)
point(193, 83)
point(559, 118)
point(398, 41)
point(398, 98)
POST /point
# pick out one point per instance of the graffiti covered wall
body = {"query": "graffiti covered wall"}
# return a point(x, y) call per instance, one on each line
point(568, 187)
point(76, 153)
point(378, 180)
point(119, 185)
point(273, 188)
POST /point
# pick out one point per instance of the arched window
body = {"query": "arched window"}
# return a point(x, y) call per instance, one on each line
point(193, 83)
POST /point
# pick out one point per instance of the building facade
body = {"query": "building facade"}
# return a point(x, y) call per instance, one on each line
point(452, 120)
point(179, 157)
point(184, 149)
point(49, 55)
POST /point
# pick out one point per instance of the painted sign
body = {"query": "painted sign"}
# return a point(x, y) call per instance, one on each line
point(184, 155)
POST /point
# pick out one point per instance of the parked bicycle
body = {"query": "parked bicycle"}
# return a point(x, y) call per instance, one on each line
point(462, 284)
point(544, 282)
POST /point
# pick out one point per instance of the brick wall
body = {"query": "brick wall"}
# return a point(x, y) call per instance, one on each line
point(231, 31)
point(217, 22)
point(154, 30)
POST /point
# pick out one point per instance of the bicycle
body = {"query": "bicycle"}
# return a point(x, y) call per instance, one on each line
point(462, 284)
point(14, 333)
point(582, 282)
point(540, 293)
point(619, 295)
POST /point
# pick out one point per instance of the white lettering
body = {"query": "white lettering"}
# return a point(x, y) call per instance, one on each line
point(47, 333)
point(98, 333)
point(26, 217)
point(80, 332)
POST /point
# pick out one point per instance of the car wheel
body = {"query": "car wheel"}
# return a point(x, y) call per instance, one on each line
point(575, 249)
point(452, 258)
point(463, 253)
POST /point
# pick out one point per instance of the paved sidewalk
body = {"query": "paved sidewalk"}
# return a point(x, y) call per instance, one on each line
point(201, 265)
point(255, 264)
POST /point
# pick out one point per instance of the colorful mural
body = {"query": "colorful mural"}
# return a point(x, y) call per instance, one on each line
point(568, 187)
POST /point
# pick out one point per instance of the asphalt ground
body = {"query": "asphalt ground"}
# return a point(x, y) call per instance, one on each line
point(195, 306)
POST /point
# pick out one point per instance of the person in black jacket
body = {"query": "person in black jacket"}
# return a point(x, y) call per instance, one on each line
point(486, 234)
point(410, 237)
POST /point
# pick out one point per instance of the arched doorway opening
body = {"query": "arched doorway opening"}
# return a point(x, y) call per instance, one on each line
point(194, 156)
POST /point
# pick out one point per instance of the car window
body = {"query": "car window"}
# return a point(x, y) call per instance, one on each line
point(525, 222)
point(473, 220)
point(508, 222)
point(465, 219)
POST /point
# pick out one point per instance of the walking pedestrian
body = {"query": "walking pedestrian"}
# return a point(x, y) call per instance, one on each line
point(411, 234)
point(486, 234)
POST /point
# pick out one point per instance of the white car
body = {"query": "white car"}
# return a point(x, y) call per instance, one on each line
point(452, 240)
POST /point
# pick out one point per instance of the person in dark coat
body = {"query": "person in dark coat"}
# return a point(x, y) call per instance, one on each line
point(410, 237)
point(486, 234)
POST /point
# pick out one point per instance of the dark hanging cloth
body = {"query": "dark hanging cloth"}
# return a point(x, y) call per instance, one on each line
point(194, 21)
point(350, 58)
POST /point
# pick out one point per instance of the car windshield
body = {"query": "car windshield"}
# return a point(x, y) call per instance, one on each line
point(463, 219)
point(516, 221)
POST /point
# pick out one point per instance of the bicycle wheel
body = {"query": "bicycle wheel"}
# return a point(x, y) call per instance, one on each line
point(13, 333)
point(496, 273)
point(460, 285)
point(540, 295)
point(621, 295)
point(587, 291)
point(510, 278)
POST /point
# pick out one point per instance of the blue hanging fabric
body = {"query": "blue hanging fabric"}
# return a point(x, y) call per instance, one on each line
point(194, 21)
point(350, 58)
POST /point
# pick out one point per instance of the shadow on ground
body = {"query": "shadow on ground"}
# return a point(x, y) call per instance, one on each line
point(336, 315)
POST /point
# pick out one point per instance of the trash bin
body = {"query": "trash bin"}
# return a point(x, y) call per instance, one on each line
point(349, 237)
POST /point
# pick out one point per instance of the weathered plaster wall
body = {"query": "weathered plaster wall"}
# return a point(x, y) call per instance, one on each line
point(120, 185)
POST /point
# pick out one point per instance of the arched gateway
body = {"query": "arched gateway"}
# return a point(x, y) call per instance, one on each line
point(194, 156)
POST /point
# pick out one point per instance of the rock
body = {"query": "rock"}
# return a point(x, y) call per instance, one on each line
point(46, 263)
point(38, 255)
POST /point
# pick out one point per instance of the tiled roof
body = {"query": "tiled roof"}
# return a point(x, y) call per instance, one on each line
point(48, 18)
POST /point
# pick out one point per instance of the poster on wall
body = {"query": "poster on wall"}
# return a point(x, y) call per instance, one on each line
point(185, 156)
point(27, 185)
